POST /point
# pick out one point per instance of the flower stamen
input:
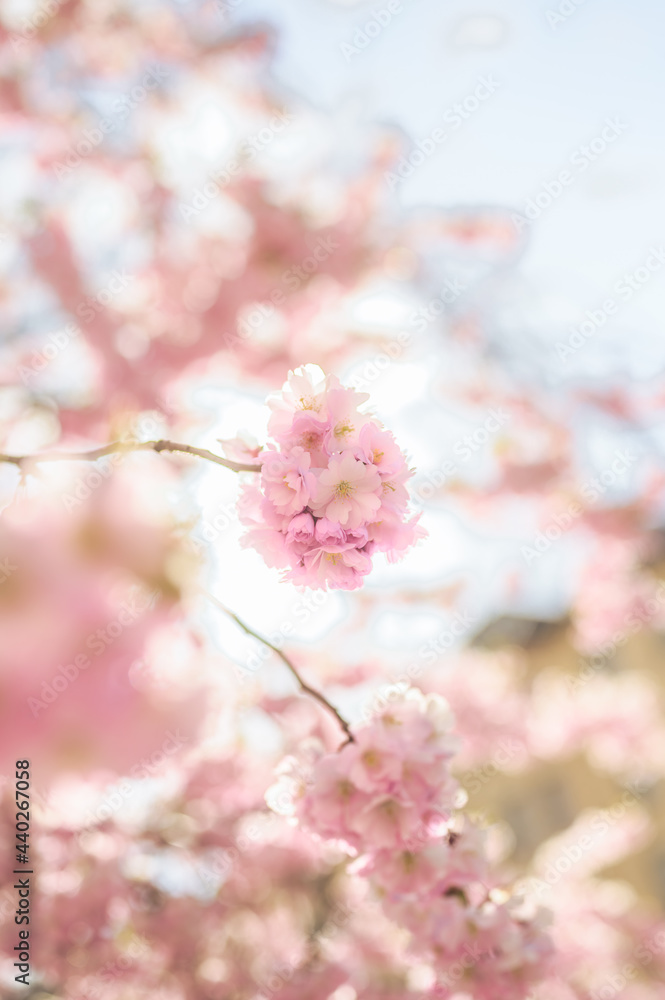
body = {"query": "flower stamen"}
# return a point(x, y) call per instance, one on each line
point(344, 489)
point(309, 403)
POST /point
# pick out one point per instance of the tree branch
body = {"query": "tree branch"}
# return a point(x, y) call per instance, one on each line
point(120, 447)
point(305, 688)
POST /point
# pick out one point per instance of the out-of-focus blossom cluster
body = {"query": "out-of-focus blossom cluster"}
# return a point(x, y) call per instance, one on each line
point(204, 891)
point(389, 797)
point(332, 489)
point(93, 638)
point(391, 784)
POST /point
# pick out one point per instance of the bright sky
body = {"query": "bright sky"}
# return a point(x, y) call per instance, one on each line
point(558, 83)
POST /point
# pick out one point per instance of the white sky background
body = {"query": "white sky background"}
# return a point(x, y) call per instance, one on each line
point(558, 84)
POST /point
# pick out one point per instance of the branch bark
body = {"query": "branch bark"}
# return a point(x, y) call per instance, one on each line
point(304, 687)
point(120, 447)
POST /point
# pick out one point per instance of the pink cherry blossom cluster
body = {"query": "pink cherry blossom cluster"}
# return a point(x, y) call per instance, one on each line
point(389, 797)
point(332, 489)
point(390, 788)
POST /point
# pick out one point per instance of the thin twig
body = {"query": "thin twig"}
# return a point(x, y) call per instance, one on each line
point(119, 447)
point(305, 688)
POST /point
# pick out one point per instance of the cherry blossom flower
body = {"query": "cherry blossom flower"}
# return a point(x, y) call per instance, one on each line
point(333, 489)
point(389, 798)
point(286, 479)
point(347, 492)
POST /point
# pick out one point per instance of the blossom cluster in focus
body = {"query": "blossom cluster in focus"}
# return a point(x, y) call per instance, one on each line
point(332, 489)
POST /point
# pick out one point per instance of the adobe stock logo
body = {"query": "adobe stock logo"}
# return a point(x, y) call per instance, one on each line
point(591, 491)
point(455, 117)
point(595, 319)
point(564, 10)
point(464, 449)
point(580, 160)
point(371, 29)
